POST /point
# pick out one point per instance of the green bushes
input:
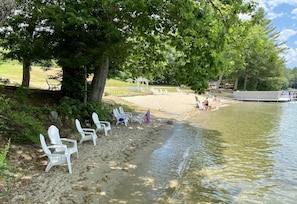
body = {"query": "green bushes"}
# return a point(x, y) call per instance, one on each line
point(22, 122)
point(5, 174)
point(18, 121)
point(76, 109)
point(21, 127)
point(4, 104)
point(24, 128)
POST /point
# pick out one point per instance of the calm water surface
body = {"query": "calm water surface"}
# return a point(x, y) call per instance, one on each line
point(244, 153)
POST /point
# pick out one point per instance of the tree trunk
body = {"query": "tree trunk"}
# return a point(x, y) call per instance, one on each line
point(73, 82)
point(26, 72)
point(5, 8)
point(245, 82)
point(99, 80)
point(236, 84)
point(219, 82)
point(86, 86)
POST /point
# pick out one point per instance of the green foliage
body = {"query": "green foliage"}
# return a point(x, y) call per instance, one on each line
point(20, 122)
point(45, 63)
point(22, 128)
point(23, 38)
point(69, 106)
point(23, 123)
point(183, 42)
point(290, 78)
point(4, 104)
point(74, 108)
point(21, 95)
point(73, 82)
point(103, 110)
point(255, 56)
point(5, 174)
point(263, 66)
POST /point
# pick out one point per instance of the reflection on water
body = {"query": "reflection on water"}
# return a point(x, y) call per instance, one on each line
point(244, 153)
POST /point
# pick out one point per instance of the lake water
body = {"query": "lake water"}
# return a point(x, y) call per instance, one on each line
point(244, 153)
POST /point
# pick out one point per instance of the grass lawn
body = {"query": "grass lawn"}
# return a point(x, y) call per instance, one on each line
point(13, 72)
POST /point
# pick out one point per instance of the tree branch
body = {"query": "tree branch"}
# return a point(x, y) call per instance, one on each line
point(5, 8)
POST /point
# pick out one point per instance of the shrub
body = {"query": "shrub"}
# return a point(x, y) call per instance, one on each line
point(23, 123)
point(21, 95)
point(4, 105)
point(69, 106)
point(76, 109)
point(103, 110)
point(22, 128)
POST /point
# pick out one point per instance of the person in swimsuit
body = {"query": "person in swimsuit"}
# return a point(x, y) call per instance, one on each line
point(206, 104)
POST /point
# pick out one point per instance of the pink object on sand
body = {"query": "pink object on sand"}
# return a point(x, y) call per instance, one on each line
point(148, 116)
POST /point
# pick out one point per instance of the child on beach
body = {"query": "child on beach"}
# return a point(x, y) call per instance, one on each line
point(206, 104)
point(215, 98)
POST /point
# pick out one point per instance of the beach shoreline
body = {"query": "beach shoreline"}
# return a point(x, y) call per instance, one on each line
point(99, 168)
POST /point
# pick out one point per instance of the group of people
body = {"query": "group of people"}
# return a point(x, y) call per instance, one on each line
point(205, 103)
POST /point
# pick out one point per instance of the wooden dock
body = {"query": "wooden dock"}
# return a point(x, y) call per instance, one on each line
point(265, 96)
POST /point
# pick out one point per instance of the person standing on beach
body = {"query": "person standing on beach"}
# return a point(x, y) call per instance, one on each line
point(206, 104)
point(215, 98)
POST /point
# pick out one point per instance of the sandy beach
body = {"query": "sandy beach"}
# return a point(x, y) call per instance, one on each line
point(99, 168)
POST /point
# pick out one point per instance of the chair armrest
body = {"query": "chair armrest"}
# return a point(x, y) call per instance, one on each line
point(139, 116)
point(105, 122)
point(89, 130)
point(124, 116)
point(69, 140)
point(102, 125)
point(57, 146)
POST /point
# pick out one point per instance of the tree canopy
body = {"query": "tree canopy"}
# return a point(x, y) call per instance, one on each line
point(188, 42)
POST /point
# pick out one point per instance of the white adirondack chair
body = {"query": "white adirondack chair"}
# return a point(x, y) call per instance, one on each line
point(55, 159)
point(54, 135)
point(133, 118)
point(120, 118)
point(86, 133)
point(200, 105)
point(53, 85)
point(122, 112)
point(101, 125)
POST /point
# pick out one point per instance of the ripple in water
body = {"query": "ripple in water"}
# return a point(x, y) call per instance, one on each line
point(244, 153)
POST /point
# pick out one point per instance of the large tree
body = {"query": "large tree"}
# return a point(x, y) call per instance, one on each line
point(93, 36)
point(96, 36)
point(25, 36)
point(203, 30)
point(263, 67)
